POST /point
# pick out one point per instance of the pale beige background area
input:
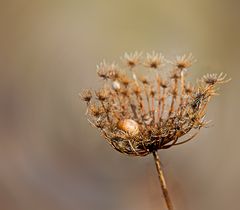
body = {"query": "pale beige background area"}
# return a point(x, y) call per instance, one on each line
point(52, 159)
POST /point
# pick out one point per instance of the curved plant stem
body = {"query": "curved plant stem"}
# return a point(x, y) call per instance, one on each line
point(162, 181)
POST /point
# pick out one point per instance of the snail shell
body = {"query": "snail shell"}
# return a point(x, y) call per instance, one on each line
point(128, 125)
point(116, 85)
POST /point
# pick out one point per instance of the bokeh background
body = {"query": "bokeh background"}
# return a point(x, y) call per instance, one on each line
point(52, 159)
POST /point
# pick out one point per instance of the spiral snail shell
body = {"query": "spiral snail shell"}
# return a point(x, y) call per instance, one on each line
point(129, 126)
point(116, 85)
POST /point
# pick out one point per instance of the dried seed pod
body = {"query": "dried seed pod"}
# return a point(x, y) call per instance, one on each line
point(102, 94)
point(154, 60)
point(86, 95)
point(95, 110)
point(124, 80)
point(129, 126)
point(185, 61)
point(152, 92)
point(102, 70)
point(175, 75)
point(188, 88)
point(132, 59)
point(212, 79)
point(136, 89)
point(113, 71)
point(144, 80)
point(164, 84)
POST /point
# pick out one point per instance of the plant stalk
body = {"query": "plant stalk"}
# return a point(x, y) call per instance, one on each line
point(162, 181)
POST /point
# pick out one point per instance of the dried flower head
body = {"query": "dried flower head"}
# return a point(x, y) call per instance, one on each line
point(138, 116)
point(102, 70)
point(188, 88)
point(102, 94)
point(95, 110)
point(154, 60)
point(184, 61)
point(125, 80)
point(212, 79)
point(86, 95)
point(107, 71)
point(132, 59)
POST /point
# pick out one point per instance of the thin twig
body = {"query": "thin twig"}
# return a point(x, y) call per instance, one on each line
point(162, 181)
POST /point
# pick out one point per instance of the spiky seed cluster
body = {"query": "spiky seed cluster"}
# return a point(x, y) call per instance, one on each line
point(131, 60)
point(184, 61)
point(154, 60)
point(86, 95)
point(212, 79)
point(138, 115)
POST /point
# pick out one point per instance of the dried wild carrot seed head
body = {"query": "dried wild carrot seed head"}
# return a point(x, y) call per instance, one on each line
point(137, 115)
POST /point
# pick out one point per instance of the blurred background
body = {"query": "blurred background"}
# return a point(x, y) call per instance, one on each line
point(52, 159)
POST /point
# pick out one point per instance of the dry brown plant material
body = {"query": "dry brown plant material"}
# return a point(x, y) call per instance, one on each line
point(139, 116)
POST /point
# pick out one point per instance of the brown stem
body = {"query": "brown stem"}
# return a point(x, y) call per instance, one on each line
point(159, 102)
point(148, 101)
point(162, 181)
point(174, 97)
point(163, 103)
point(153, 108)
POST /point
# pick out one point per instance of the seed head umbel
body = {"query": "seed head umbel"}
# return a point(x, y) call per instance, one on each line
point(139, 115)
point(184, 61)
point(132, 59)
point(212, 79)
point(86, 95)
point(154, 60)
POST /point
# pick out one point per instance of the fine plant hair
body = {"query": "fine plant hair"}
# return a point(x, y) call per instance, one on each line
point(140, 113)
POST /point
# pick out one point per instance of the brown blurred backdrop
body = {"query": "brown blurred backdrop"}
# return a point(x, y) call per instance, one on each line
point(52, 159)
